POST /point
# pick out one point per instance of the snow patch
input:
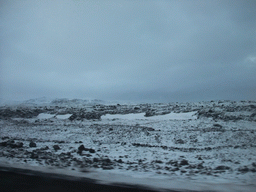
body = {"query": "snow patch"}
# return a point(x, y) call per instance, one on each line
point(48, 116)
point(63, 116)
point(45, 116)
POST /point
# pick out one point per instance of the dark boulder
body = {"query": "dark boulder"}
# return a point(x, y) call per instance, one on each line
point(91, 150)
point(56, 147)
point(222, 167)
point(32, 144)
point(184, 162)
point(179, 141)
point(3, 144)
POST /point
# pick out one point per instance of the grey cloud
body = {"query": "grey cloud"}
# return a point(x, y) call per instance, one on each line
point(128, 50)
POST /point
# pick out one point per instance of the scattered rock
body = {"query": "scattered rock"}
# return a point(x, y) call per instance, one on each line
point(104, 167)
point(150, 129)
point(175, 169)
point(184, 162)
point(85, 115)
point(34, 155)
point(19, 144)
point(222, 167)
point(81, 148)
point(45, 148)
point(119, 161)
point(179, 141)
point(91, 150)
point(200, 166)
point(157, 161)
point(3, 138)
point(173, 163)
point(123, 143)
point(150, 113)
point(244, 169)
point(56, 147)
point(3, 144)
point(106, 161)
point(32, 144)
point(217, 125)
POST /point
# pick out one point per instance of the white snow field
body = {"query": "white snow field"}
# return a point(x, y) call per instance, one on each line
point(204, 146)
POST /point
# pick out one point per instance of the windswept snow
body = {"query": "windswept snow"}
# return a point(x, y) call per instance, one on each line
point(45, 116)
point(205, 146)
point(66, 116)
point(49, 116)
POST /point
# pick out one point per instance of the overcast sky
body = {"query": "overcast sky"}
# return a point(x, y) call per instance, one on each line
point(137, 50)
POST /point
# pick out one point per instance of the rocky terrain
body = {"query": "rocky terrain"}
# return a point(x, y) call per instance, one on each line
point(203, 142)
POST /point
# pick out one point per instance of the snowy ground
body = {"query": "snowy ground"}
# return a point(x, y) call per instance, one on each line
point(195, 146)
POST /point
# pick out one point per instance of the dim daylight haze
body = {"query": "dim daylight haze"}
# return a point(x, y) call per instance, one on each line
point(151, 51)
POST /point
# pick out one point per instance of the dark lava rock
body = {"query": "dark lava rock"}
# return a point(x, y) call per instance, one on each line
point(84, 115)
point(254, 164)
point(45, 148)
point(32, 144)
point(19, 145)
point(95, 160)
point(104, 167)
point(184, 162)
point(72, 117)
point(10, 143)
point(222, 167)
point(91, 150)
point(59, 141)
point(175, 169)
point(173, 163)
point(3, 144)
point(106, 161)
point(56, 147)
point(217, 125)
point(33, 156)
point(200, 166)
point(150, 129)
point(81, 148)
point(179, 141)
point(244, 169)
point(119, 161)
point(150, 113)
point(5, 138)
point(158, 161)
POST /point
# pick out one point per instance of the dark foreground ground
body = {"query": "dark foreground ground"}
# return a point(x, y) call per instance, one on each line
point(22, 180)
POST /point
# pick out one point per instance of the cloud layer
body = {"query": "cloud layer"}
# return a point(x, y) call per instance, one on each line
point(128, 50)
